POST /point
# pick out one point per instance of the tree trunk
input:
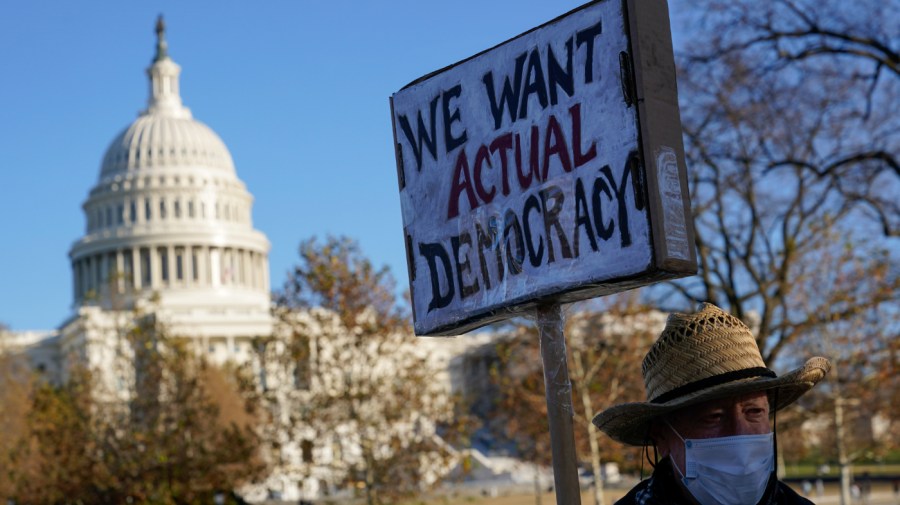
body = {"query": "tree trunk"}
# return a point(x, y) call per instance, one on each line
point(595, 446)
point(780, 470)
point(843, 458)
point(537, 485)
point(371, 496)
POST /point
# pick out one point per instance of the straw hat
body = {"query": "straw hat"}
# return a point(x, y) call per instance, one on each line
point(698, 357)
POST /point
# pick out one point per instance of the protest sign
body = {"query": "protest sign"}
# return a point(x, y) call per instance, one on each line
point(547, 168)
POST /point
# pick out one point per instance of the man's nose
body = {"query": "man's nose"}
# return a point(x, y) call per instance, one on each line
point(737, 424)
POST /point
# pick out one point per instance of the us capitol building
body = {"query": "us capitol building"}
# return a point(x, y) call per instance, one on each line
point(168, 232)
point(167, 220)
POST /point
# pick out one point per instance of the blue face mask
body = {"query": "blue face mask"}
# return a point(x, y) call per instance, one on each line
point(728, 470)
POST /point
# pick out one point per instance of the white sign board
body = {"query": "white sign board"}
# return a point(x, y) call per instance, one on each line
point(521, 176)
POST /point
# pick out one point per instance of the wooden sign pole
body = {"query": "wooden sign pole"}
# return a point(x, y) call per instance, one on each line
point(559, 404)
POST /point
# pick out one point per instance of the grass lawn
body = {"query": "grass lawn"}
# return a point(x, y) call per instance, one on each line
point(811, 471)
point(831, 490)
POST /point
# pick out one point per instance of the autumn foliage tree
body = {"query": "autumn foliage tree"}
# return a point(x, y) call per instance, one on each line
point(186, 434)
point(16, 385)
point(605, 342)
point(371, 395)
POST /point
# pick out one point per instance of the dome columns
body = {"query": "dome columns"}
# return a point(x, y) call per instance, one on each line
point(179, 266)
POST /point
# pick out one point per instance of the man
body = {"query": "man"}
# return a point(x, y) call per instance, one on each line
point(710, 396)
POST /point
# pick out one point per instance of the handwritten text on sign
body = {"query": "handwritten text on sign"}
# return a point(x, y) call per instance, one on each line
point(515, 172)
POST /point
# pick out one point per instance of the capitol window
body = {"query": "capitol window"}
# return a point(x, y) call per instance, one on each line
point(195, 270)
point(98, 270)
point(163, 263)
point(177, 209)
point(302, 370)
point(88, 277)
point(179, 263)
point(162, 208)
point(306, 448)
point(111, 271)
point(127, 267)
point(145, 267)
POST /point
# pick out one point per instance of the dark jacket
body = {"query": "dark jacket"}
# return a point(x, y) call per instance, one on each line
point(662, 488)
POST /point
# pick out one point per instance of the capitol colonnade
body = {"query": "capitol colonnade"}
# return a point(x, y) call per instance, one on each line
point(173, 266)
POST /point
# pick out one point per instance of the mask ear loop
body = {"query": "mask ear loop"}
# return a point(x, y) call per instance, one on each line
point(644, 456)
point(645, 453)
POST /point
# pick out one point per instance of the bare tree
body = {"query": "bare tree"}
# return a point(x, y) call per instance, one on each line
point(861, 389)
point(791, 130)
point(792, 136)
point(813, 41)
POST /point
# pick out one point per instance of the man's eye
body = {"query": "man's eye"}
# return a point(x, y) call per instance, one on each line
point(713, 417)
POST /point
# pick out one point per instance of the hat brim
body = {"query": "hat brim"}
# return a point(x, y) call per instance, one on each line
point(629, 423)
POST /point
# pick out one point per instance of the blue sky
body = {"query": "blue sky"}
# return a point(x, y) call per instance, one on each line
point(298, 91)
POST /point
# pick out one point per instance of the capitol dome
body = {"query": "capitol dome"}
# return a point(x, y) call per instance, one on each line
point(169, 216)
point(159, 141)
